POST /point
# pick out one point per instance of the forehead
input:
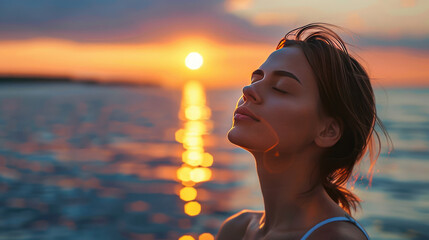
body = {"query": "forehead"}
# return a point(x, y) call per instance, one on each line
point(291, 59)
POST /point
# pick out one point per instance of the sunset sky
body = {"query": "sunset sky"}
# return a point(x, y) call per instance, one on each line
point(140, 40)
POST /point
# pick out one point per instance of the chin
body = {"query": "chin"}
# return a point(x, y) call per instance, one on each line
point(250, 143)
point(235, 138)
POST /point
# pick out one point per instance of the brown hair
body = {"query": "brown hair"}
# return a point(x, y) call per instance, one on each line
point(345, 94)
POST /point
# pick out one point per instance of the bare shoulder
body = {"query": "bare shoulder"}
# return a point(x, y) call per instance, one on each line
point(338, 231)
point(235, 226)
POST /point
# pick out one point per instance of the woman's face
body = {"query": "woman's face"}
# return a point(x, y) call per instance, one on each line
point(282, 100)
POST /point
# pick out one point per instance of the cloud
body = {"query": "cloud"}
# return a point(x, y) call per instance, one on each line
point(400, 23)
point(145, 21)
point(408, 42)
point(134, 20)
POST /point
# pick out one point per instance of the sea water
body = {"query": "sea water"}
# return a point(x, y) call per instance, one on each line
point(88, 162)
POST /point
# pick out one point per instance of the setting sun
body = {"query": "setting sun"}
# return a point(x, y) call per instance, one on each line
point(194, 60)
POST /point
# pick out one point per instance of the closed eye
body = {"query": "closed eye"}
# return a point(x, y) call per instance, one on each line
point(256, 76)
point(279, 90)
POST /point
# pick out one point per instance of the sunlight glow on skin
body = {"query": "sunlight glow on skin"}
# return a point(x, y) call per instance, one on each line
point(275, 161)
point(270, 151)
point(275, 123)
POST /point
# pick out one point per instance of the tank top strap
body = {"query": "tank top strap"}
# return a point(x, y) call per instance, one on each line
point(358, 225)
point(347, 218)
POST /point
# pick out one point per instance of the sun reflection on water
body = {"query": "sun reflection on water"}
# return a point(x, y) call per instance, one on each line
point(195, 116)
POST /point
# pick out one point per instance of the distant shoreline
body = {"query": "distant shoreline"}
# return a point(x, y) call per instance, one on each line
point(16, 79)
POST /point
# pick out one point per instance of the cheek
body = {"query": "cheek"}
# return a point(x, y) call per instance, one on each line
point(295, 125)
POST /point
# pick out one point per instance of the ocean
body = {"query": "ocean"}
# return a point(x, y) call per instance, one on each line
point(111, 162)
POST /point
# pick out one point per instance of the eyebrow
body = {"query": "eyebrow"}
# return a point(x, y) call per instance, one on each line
point(280, 73)
point(258, 72)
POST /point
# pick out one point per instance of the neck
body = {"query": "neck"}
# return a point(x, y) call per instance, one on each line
point(292, 198)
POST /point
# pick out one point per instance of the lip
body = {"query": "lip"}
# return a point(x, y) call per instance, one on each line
point(244, 113)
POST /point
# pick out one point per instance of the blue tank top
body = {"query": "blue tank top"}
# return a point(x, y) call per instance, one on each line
point(335, 219)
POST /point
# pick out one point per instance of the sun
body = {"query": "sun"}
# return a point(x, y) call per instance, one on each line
point(194, 60)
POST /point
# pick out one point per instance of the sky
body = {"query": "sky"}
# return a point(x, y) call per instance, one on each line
point(148, 40)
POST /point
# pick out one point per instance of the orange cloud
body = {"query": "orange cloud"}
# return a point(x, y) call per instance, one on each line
point(237, 5)
point(162, 63)
point(396, 19)
point(225, 65)
point(397, 67)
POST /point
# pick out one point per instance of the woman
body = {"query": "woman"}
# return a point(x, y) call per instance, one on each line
point(308, 118)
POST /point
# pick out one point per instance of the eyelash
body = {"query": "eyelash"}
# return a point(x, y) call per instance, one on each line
point(278, 90)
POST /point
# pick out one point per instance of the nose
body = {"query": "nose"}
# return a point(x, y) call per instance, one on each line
point(250, 94)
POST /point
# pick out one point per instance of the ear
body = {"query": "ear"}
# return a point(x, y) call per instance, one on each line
point(329, 133)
